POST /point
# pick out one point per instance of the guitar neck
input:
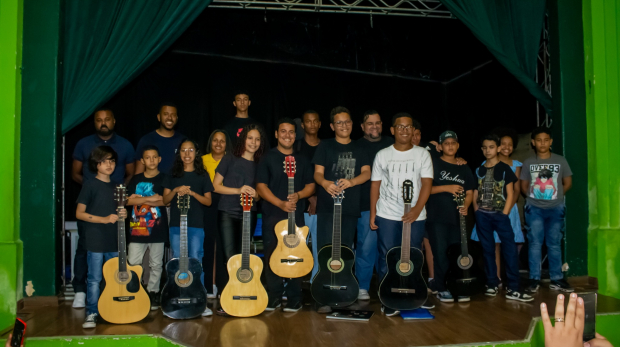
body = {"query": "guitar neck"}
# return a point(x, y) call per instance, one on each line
point(184, 260)
point(463, 225)
point(291, 215)
point(245, 241)
point(336, 237)
point(122, 253)
point(406, 239)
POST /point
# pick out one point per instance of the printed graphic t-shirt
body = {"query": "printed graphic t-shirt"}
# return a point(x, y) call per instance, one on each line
point(441, 207)
point(392, 168)
point(545, 175)
point(98, 196)
point(148, 224)
point(503, 175)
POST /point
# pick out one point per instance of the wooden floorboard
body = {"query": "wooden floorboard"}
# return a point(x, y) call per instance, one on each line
point(483, 319)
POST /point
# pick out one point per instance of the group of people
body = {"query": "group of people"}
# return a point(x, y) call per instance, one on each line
point(237, 160)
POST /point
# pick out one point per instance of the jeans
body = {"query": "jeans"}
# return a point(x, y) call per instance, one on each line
point(389, 235)
point(311, 223)
point(365, 251)
point(441, 236)
point(545, 224)
point(195, 241)
point(156, 261)
point(275, 283)
point(95, 275)
point(486, 222)
point(80, 263)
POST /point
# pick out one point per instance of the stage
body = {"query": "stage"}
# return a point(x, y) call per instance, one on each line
point(483, 320)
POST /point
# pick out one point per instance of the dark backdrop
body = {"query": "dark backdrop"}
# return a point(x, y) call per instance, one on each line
point(298, 61)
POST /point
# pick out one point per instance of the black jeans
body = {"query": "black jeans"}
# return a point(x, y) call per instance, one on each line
point(325, 230)
point(231, 229)
point(80, 262)
point(441, 236)
point(213, 248)
point(275, 283)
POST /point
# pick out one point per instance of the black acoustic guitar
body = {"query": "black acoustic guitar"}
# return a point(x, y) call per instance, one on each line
point(403, 287)
point(464, 276)
point(183, 296)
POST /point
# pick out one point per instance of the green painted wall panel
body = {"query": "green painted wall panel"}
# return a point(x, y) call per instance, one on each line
point(40, 145)
point(10, 100)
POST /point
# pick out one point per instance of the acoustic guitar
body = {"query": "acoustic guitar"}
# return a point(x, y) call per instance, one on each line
point(183, 296)
point(403, 287)
point(123, 299)
point(463, 278)
point(244, 294)
point(291, 258)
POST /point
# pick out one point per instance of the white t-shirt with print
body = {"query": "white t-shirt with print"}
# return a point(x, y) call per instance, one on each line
point(392, 168)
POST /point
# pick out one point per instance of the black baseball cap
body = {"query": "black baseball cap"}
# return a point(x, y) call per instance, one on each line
point(448, 134)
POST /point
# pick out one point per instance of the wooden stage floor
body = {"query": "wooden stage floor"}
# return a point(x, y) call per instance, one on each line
point(483, 319)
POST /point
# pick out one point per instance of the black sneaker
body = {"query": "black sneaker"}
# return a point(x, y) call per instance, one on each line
point(273, 304)
point(389, 312)
point(514, 295)
point(533, 287)
point(220, 312)
point(324, 309)
point(293, 306)
point(90, 321)
point(432, 286)
point(491, 291)
point(561, 285)
point(154, 300)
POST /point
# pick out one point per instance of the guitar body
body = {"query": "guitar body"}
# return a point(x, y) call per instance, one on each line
point(123, 301)
point(183, 298)
point(244, 294)
point(335, 288)
point(403, 290)
point(462, 282)
point(292, 257)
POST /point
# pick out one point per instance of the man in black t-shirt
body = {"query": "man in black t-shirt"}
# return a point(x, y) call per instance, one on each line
point(242, 118)
point(442, 216)
point(330, 157)
point(492, 203)
point(272, 185)
point(148, 227)
point(366, 246)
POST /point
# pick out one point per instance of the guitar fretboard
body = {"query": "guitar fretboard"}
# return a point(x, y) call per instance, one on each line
point(336, 243)
point(122, 253)
point(291, 215)
point(245, 241)
point(405, 248)
point(183, 261)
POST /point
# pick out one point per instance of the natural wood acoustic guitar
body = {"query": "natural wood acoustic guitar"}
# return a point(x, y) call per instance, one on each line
point(123, 300)
point(292, 257)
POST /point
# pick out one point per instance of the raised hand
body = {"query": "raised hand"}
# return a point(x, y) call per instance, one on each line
point(568, 329)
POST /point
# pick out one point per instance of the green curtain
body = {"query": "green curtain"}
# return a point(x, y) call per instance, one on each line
point(511, 30)
point(107, 43)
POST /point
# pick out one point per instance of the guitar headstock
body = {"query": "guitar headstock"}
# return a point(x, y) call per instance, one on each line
point(183, 203)
point(246, 201)
point(407, 191)
point(338, 197)
point(460, 199)
point(120, 195)
point(290, 166)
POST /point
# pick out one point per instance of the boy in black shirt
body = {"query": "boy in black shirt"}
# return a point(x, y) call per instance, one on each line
point(97, 208)
point(148, 227)
point(272, 185)
point(491, 203)
point(442, 218)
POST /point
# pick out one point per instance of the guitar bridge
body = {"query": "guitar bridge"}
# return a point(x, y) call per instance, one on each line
point(403, 290)
point(183, 301)
point(327, 286)
point(291, 260)
point(240, 297)
point(123, 298)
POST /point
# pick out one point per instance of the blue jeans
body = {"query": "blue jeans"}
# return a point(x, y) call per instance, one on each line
point(195, 244)
point(95, 275)
point(365, 251)
point(389, 235)
point(486, 222)
point(545, 224)
point(311, 223)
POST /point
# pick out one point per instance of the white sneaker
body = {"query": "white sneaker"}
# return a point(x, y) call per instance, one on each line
point(207, 312)
point(79, 301)
point(214, 294)
point(363, 295)
point(90, 321)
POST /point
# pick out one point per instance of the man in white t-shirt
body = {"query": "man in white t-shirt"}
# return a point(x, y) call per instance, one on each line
point(392, 166)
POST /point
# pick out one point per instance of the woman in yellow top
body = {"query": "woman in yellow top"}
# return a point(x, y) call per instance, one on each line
point(214, 267)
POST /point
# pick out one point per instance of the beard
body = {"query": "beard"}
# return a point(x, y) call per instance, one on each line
point(104, 131)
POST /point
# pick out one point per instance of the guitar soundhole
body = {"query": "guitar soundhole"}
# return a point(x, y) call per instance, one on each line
point(123, 277)
point(465, 262)
point(183, 279)
point(291, 241)
point(245, 275)
point(334, 265)
point(404, 269)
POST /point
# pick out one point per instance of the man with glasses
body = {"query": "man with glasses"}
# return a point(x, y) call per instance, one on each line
point(366, 247)
point(340, 164)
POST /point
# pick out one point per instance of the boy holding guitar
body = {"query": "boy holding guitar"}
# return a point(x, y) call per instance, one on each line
point(392, 166)
point(271, 184)
point(97, 208)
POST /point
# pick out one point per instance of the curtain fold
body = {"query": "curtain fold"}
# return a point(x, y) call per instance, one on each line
point(511, 30)
point(107, 43)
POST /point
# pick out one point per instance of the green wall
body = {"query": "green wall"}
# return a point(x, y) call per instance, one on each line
point(601, 19)
point(10, 101)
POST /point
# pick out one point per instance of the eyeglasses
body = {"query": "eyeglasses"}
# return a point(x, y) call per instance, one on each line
point(341, 123)
point(190, 150)
point(403, 127)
